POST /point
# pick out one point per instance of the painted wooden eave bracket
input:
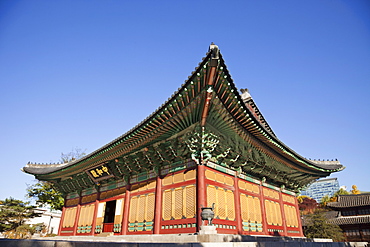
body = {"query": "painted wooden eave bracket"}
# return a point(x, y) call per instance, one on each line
point(210, 81)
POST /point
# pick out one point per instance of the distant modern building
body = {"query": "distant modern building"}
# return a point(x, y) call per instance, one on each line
point(321, 188)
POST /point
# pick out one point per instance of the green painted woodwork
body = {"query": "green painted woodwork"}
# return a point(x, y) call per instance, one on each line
point(234, 138)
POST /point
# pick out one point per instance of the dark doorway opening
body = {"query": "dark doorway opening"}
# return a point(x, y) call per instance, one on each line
point(110, 209)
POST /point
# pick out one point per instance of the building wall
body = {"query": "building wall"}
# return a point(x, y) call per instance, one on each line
point(320, 188)
point(50, 219)
point(167, 204)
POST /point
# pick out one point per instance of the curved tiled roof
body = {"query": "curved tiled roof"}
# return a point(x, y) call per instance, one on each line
point(348, 201)
point(350, 220)
point(185, 108)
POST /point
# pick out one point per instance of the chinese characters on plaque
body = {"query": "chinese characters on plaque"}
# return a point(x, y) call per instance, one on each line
point(100, 172)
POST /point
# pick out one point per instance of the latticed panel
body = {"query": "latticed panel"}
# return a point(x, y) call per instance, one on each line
point(135, 188)
point(190, 175)
point(142, 186)
point(141, 208)
point(274, 213)
point(221, 203)
point(133, 209)
point(72, 202)
point(210, 175)
point(167, 180)
point(257, 209)
point(220, 178)
point(100, 214)
point(229, 181)
point(70, 216)
point(190, 201)
point(85, 216)
point(212, 198)
point(288, 215)
point(279, 218)
point(81, 219)
point(167, 204)
point(150, 207)
point(244, 207)
point(241, 185)
point(251, 209)
point(294, 216)
point(178, 178)
point(289, 199)
point(230, 205)
point(291, 216)
point(268, 212)
point(152, 184)
point(255, 188)
point(177, 214)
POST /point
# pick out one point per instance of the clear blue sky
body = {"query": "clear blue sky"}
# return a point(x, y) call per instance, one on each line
point(82, 73)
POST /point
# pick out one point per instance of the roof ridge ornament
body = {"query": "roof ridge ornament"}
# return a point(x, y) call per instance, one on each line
point(215, 51)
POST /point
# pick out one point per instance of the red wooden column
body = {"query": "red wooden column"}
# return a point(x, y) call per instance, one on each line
point(238, 213)
point(264, 219)
point(126, 210)
point(95, 213)
point(299, 217)
point(158, 205)
point(201, 194)
point(62, 218)
point(285, 233)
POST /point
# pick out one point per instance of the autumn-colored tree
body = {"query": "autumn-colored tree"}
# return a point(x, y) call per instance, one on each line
point(308, 205)
point(355, 190)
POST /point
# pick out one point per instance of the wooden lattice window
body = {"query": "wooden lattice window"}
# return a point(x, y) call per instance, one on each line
point(250, 208)
point(86, 215)
point(190, 201)
point(69, 217)
point(273, 213)
point(142, 208)
point(291, 216)
point(167, 204)
point(223, 200)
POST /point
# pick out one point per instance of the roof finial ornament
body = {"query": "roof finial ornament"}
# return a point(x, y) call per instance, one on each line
point(245, 94)
point(215, 51)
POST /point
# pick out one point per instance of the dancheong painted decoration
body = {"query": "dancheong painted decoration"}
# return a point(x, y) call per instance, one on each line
point(208, 145)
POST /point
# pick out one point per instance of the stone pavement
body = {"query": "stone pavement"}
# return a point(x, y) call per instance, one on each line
point(177, 240)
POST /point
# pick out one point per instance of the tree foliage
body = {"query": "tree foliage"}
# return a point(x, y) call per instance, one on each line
point(318, 227)
point(75, 154)
point(307, 205)
point(45, 194)
point(13, 215)
point(355, 190)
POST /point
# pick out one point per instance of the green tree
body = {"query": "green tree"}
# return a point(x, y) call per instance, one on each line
point(341, 191)
point(45, 194)
point(318, 227)
point(13, 215)
point(324, 200)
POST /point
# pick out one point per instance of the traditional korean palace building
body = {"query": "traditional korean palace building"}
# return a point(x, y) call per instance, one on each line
point(353, 216)
point(207, 145)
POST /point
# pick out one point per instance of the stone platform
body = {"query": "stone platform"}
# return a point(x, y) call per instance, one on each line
point(178, 240)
